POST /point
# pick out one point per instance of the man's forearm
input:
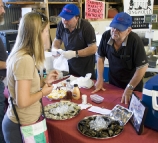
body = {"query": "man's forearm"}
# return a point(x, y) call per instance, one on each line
point(2, 65)
point(90, 50)
point(138, 76)
point(100, 68)
point(56, 44)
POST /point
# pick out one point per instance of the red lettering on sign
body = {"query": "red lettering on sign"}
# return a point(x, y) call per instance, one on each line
point(94, 9)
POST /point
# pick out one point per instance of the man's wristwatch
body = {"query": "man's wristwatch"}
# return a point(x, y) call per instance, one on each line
point(129, 86)
point(77, 54)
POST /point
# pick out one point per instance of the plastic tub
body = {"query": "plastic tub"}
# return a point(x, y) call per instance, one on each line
point(96, 98)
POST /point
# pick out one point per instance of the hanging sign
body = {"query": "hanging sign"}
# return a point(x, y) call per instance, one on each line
point(137, 9)
point(94, 9)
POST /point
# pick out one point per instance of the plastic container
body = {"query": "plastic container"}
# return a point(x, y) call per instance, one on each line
point(96, 98)
point(84, 99)
point(76, 92)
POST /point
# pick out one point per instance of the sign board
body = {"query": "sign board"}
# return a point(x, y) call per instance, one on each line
point(25, 10)
point(137, 9)
point(94, 9)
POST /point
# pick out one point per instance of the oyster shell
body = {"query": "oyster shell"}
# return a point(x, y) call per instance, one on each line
point(113, 129)
point(61, 110)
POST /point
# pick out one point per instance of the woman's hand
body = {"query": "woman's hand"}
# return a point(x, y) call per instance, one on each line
point(46, 90)
point(52, 76)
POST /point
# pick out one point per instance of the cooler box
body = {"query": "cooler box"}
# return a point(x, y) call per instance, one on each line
point(105, 74)
point(8, 38)
point(150, 100)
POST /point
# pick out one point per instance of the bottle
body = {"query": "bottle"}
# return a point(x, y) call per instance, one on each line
point(68, 92)
point(76, 92)
point(44, 73)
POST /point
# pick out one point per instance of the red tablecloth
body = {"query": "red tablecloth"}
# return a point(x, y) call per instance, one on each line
point(66, 131)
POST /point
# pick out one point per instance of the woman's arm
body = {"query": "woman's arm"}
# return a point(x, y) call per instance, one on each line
point(23, 87)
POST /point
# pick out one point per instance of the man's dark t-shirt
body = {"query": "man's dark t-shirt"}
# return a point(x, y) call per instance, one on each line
point(78, 39)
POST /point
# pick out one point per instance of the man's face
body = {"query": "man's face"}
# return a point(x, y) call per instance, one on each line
point(118, 35)
point(2, 11)
point(70, 24)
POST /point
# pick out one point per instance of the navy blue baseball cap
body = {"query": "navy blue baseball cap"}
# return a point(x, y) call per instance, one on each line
point(69, 11)
point(121, 21)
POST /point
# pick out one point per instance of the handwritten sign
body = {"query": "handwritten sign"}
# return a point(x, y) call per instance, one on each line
point(94, 9)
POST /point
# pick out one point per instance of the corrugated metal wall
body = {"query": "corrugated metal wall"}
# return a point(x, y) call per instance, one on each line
point(13, 13)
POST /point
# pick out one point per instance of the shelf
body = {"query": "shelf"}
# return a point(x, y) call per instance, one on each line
point(155, 7)
point(62, 3)
point(15, 22)
point(45, 4)
point(25, 3)
point(51, 23)
point(107, 7)
point(112, 3)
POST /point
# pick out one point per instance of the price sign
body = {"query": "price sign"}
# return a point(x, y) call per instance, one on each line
point(94, 9)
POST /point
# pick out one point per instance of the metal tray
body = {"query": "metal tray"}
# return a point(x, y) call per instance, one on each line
point(105, 133)
point(62, 110)
point(121, 113)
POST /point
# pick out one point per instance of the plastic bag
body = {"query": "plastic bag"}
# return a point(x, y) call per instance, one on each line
point(60, 63)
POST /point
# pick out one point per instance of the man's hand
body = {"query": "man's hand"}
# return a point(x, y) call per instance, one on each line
point(98, 86)
point(69, 54)
point(126, 96)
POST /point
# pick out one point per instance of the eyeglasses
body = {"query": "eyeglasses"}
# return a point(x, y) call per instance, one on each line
point(43, 17)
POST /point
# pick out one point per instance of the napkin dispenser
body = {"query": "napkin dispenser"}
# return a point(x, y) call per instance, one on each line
point(150, 100)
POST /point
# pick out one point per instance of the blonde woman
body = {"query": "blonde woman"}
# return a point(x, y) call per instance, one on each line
point(26, 58)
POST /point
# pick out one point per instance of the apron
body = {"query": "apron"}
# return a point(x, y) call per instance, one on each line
point(121, 67)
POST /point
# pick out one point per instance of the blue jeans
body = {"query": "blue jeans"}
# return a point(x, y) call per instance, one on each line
point(2, 106)
point(11, 131)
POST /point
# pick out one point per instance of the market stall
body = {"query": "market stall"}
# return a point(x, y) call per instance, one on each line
point(65, 131)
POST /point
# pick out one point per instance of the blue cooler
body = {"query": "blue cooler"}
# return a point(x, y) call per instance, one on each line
point(150, 100)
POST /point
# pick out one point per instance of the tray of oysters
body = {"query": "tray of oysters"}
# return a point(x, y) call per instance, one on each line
point(100, 127)
point(62, 110)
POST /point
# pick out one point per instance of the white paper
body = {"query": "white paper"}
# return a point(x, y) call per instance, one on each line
point(99, 110)
point(84, 106)
point(25, 10)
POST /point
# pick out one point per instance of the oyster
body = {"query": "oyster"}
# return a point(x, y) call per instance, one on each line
point(113, 129)
point(61, 110)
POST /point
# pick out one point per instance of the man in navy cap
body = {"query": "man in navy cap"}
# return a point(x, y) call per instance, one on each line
point(79, 40)
point(126, 55)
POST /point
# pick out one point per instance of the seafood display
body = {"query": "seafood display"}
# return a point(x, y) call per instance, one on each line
point(57, 94)
point(99, 127)
point(121, 113)
point(61, 110)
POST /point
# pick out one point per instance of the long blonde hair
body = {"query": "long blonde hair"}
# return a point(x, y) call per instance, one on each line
point(29, 40)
